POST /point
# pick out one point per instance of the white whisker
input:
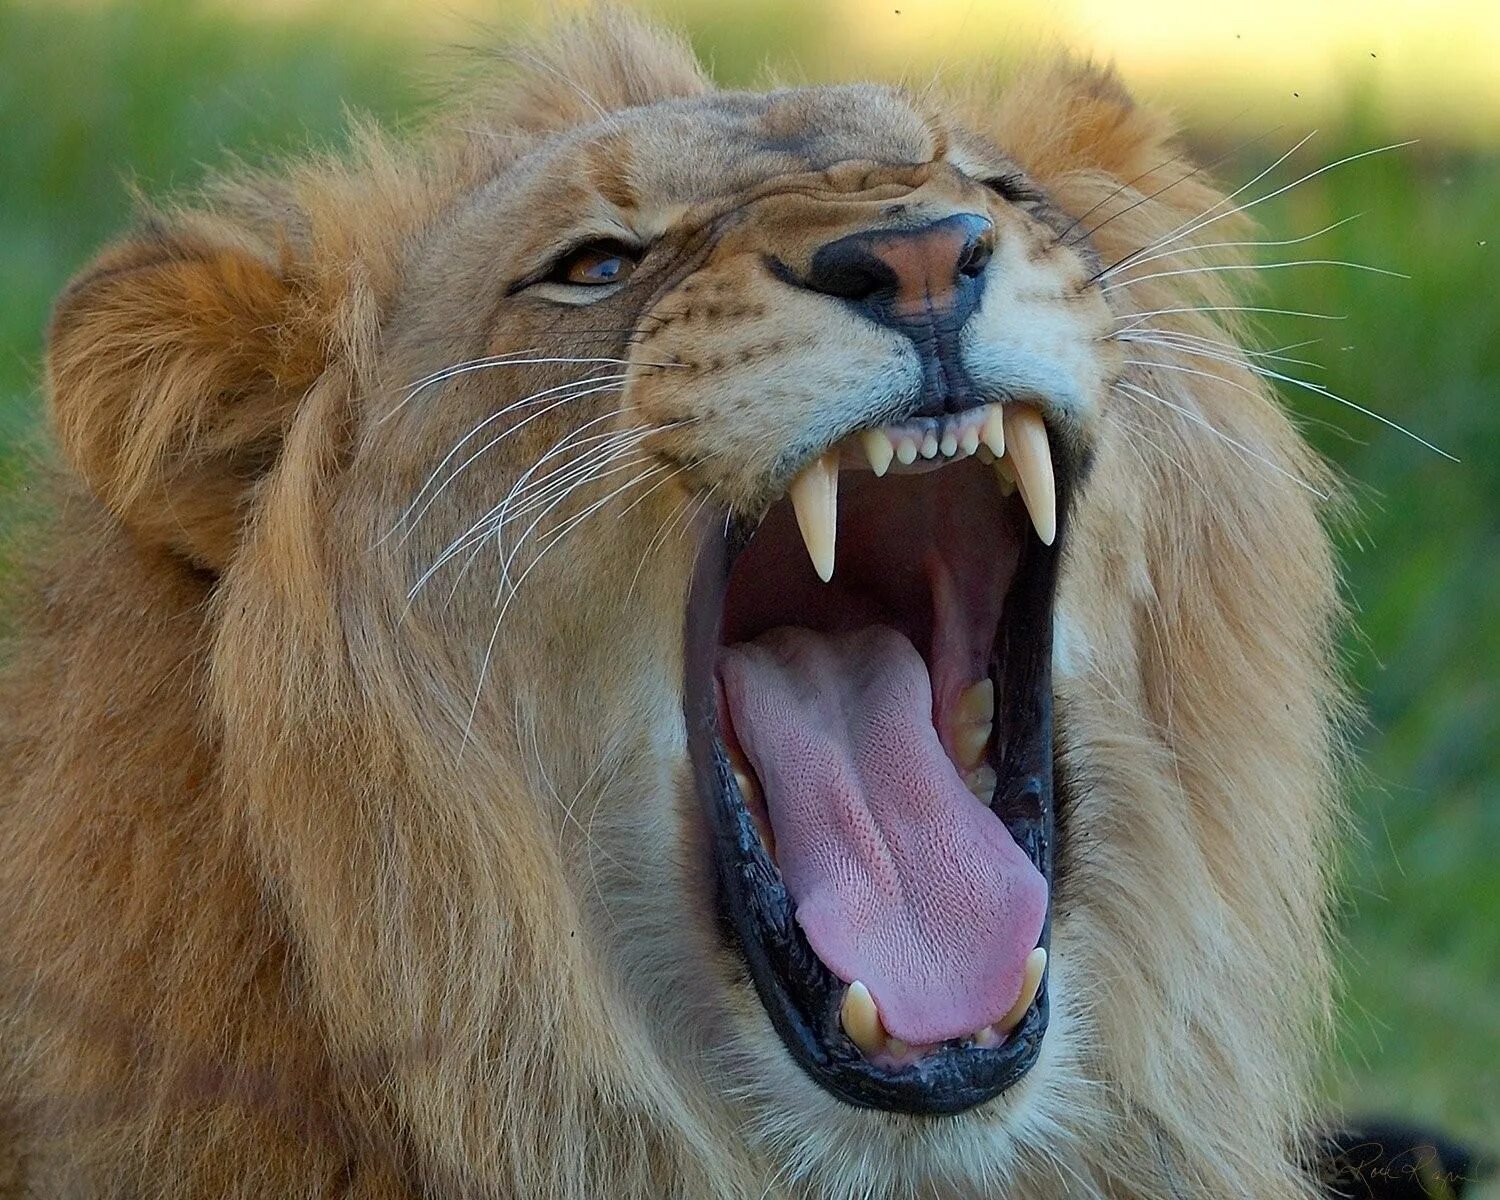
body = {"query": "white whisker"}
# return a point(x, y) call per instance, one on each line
point(490, 521)
point(1306, 237)
point(560, 531)
point(1198, 419)
point(406, 516)
point(1189, 225)
point(1192, 343)
point(1202, 308)
point(1319, 390)
point(1316, 388)
point(514, 588)
point(505, 360)
point(623, 444)
point(573, 474)
point(1222, 267)
point(1205, 220)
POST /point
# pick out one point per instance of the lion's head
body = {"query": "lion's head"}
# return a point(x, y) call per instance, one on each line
point(736, 644)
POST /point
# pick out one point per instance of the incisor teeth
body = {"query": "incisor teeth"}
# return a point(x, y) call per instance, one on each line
point(815, 500)
point(878, 450)
point(861, 1019)
point(1031, 982)
point(906, 452)
point(1031, 459)
point(987, 1038)
point(992, 432)
point(969, 442)
point(949, 444)
point(930, 446)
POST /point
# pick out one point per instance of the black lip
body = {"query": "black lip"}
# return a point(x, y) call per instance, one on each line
point(800, 994)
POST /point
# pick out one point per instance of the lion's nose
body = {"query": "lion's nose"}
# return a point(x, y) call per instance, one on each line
point(906, 275)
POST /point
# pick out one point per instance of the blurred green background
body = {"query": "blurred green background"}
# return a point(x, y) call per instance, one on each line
point(98, 96)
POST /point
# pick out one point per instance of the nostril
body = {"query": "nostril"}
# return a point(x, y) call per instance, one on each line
point(849, 270)
point(976, 257)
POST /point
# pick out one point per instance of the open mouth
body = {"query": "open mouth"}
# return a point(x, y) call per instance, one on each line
point(869, 704)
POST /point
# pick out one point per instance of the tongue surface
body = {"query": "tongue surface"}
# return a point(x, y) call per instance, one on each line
point(901, 877)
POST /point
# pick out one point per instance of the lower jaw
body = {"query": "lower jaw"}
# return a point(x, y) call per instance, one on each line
point(756, 915)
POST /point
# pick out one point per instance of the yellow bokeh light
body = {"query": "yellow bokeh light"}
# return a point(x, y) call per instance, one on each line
point(1415, 69)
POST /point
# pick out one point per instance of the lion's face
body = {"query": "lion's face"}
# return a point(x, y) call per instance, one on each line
point(758, 389)
point(840, 716)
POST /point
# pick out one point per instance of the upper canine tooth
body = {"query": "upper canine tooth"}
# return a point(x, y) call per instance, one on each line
point(1031, 459)
point(815, 500)
point(992, 432)
point(878, 450)
point(1031, 982)
point(861, 1019)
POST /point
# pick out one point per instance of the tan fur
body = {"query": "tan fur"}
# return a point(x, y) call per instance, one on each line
point(312, 890)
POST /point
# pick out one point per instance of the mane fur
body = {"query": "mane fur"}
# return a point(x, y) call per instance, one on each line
point(260, 942)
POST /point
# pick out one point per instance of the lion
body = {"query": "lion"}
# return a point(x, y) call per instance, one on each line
point(652, 641)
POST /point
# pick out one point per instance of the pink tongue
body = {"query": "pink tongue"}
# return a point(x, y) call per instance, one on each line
point(901, 877)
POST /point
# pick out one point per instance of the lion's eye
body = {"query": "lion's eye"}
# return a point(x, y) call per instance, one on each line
point(1013, 188)
point(596, 264)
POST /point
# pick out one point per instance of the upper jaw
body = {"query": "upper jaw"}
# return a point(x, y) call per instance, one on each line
point(1012, 438)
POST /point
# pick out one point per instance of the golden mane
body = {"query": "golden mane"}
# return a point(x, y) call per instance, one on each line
point(267, 936)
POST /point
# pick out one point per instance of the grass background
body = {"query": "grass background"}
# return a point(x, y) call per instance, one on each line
point(97, 96)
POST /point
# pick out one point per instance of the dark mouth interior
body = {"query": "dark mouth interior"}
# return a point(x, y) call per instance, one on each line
point(875, 753)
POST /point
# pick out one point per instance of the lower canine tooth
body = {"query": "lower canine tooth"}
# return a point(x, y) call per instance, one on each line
point(1005, 477)
point(861, 1019)
point(1031, 982)
point(815, 500)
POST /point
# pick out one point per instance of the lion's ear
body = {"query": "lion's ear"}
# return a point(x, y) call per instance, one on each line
point(174, 364)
